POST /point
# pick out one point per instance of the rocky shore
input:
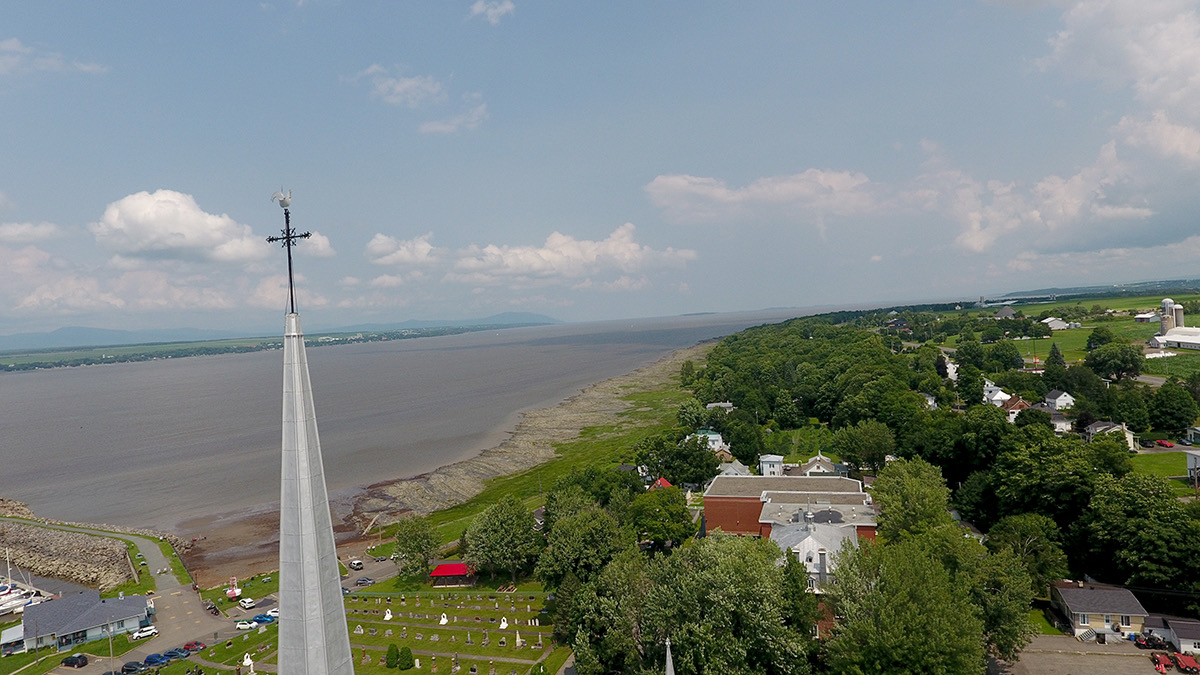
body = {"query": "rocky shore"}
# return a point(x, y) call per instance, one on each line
point(91, 560)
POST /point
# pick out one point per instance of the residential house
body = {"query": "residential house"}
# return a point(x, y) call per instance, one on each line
point(770, 465)
point(1098, 428)
point(723, 405)
point(1185, 634)
point(734, 468)
point(753, 505)
point(930, 401)
point(82, 617)
point(1098, 608)
point(819, 465)
point(717, 444)
point(1013, 406)
point(1193, 465)
point(1055, 323)
point(1061, 424)
point(660, 484)
point(1059, 400)
point(1006, 312)
point(994, 395)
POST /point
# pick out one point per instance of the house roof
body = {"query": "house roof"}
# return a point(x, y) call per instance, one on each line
point(81, 611)
point(770, 458)
point(1185, 629)
point(451, 570)
point(734, 468)
point(1055, 393)
point(754, 486)
point(662, 483)
point(1098, 599)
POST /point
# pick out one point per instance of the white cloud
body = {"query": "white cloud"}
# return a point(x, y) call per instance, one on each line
point(25, 233)
point(491, 10)
point(318, 246)
point(410, 92)
point(561, 258)
point(812, 195)
point(1161, 136)
point(1152, 46)
point(469, 120)
point(170, 225)
point(272, 293)
point(385, 250)
point(387, 281)
point(69, 294)
point(17, 58)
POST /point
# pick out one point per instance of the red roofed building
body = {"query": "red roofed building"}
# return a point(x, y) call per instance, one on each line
point(453, 574)
point(660, 483)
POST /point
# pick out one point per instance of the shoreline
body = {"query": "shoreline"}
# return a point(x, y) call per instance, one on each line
point(243, 544)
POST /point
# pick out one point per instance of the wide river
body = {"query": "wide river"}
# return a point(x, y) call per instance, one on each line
point(156, 443)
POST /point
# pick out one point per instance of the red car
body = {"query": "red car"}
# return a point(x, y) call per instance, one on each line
point(195, 646)
point(1165, 444)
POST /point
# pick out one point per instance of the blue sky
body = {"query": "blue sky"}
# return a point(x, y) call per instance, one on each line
point(585, 160)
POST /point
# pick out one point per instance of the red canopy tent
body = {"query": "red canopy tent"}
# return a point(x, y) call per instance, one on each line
point(453, 574)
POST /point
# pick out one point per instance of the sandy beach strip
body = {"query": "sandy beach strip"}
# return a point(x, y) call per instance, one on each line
point(244, 544)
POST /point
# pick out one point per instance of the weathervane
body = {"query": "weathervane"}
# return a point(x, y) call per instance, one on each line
point(289, 239)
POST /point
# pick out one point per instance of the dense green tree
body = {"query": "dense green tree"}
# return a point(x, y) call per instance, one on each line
point(392, 660)
point(608, 614)
point(603, 485)
point(745, 440)
point(687, 373)
point(1055, 358)
point(1129, 406)
point(900, 613)
point(681, 461)
point(1173, 409)
point(580, 544)
point(1110, 454)
point(1004, 355)
point(865, 445)
point(970, 385)
point(416, 544)
point(1099, 337)
point(1033, 416)
point(912, 498)
point(975, 500)
point(801, 609)
point(1115, 360)
point(586, 662)
point(503, 537)
point(661, 516)
point(564, 602)
point(991, 334)
point(969, 353)
point(722, 603)
point(691, 414)
point(1044, 474)
point(563, 502)
point(405, 661)
point(1036, 542)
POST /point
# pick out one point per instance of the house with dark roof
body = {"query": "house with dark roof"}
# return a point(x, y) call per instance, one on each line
point(82, 617)
point(1098, 608)
point(1059, 400)
point(1185, 634)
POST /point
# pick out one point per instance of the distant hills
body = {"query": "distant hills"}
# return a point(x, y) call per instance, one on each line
point(79, 336)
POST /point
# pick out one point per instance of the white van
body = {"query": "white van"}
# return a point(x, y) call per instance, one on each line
point(246, 603)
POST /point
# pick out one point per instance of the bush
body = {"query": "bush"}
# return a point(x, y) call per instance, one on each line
point(393, 656)
point(405, 659)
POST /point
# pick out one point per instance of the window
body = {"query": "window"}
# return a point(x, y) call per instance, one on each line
point(1107, 619)
point(1125, 620)
point(1083, 619)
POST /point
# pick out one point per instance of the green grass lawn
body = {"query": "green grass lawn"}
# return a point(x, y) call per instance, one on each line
point(1038, 617)
point(1169, 465)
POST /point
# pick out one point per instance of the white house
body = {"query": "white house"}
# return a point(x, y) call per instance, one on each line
point(1185, 634)
point(1097, 428)
point(1059, 400)
point(994, 395)
point(770, 465)
point(1055, 323)
point(715, 443)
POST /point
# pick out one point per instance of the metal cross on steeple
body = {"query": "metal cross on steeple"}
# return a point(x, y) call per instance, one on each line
point(289, 239)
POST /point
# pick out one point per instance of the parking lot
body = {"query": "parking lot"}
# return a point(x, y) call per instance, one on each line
point(1063, 655)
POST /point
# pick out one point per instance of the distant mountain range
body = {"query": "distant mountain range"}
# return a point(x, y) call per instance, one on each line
point(78, 336)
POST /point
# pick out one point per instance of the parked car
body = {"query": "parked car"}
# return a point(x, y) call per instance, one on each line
point(364, 581)
point(195, 646)
point(381, 558)
point(246, 603)
point(273, 612)
point(1146, 443)
point(75, 661)
point(134, 667)
point(264, 618)
point(148, 631)
point(247, 625)
point(156, 660)
point(1183, 441)
point(345, 591)
point(355, 564)
point(1165, 444)
point(177, 653)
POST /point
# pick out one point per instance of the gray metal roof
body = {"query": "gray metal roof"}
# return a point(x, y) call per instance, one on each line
point(1184, 629)
point(1093, 599)
point(753, 486)
point(73, 613)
